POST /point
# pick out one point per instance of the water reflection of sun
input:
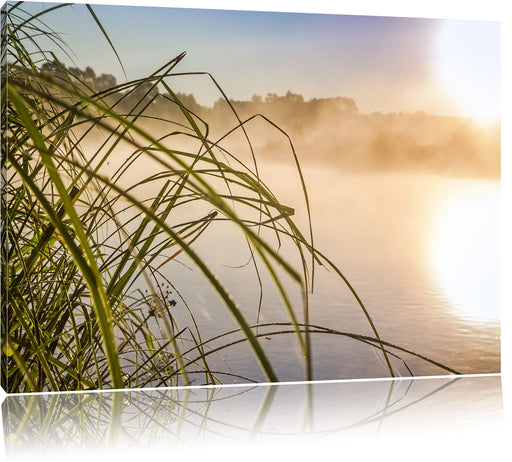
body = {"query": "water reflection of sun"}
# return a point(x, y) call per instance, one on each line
point(466, 251)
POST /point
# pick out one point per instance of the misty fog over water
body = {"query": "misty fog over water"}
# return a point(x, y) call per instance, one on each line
point(332, 130)
point(380, 230)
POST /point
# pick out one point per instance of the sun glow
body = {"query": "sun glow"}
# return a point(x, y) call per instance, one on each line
point(469, 67)
point(466, 252)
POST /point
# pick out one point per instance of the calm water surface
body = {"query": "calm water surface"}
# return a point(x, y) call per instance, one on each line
point(422, 251)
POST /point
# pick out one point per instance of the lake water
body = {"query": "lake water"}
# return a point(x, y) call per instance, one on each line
point(422, 251)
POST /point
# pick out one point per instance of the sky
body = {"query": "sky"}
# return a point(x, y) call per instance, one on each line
point(386, 64)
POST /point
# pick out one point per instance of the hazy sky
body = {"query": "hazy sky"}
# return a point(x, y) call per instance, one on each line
point(383, 63)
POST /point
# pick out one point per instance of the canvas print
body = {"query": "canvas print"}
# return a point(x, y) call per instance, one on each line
point(197, 197)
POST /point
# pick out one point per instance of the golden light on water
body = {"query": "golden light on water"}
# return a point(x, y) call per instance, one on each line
point(466, 252)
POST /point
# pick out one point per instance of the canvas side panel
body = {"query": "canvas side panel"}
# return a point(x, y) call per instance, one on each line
point(3, 186)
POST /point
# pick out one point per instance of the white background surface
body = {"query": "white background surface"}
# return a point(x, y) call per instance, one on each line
point(484, 443)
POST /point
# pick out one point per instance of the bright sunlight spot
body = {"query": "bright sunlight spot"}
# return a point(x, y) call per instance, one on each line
point(466, 252)
point(469, 60)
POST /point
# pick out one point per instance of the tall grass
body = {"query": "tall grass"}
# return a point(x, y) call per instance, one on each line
point(83, 250)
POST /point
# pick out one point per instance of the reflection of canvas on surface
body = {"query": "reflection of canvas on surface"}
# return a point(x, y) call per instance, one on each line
point(296, 197)
point(299, 416)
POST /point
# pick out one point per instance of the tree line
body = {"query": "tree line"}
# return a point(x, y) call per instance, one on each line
point(322, 129)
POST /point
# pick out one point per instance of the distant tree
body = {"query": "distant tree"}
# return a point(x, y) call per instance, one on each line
point(89, 74)
point(53, 70)
point(271, 97)
point(85, 77)
point(289, 98)
point(219, 104)
point(346, 104)
point(293, 98)
point(257, 99)
point(146, 92)
point(105, 81)
point(188, 100)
